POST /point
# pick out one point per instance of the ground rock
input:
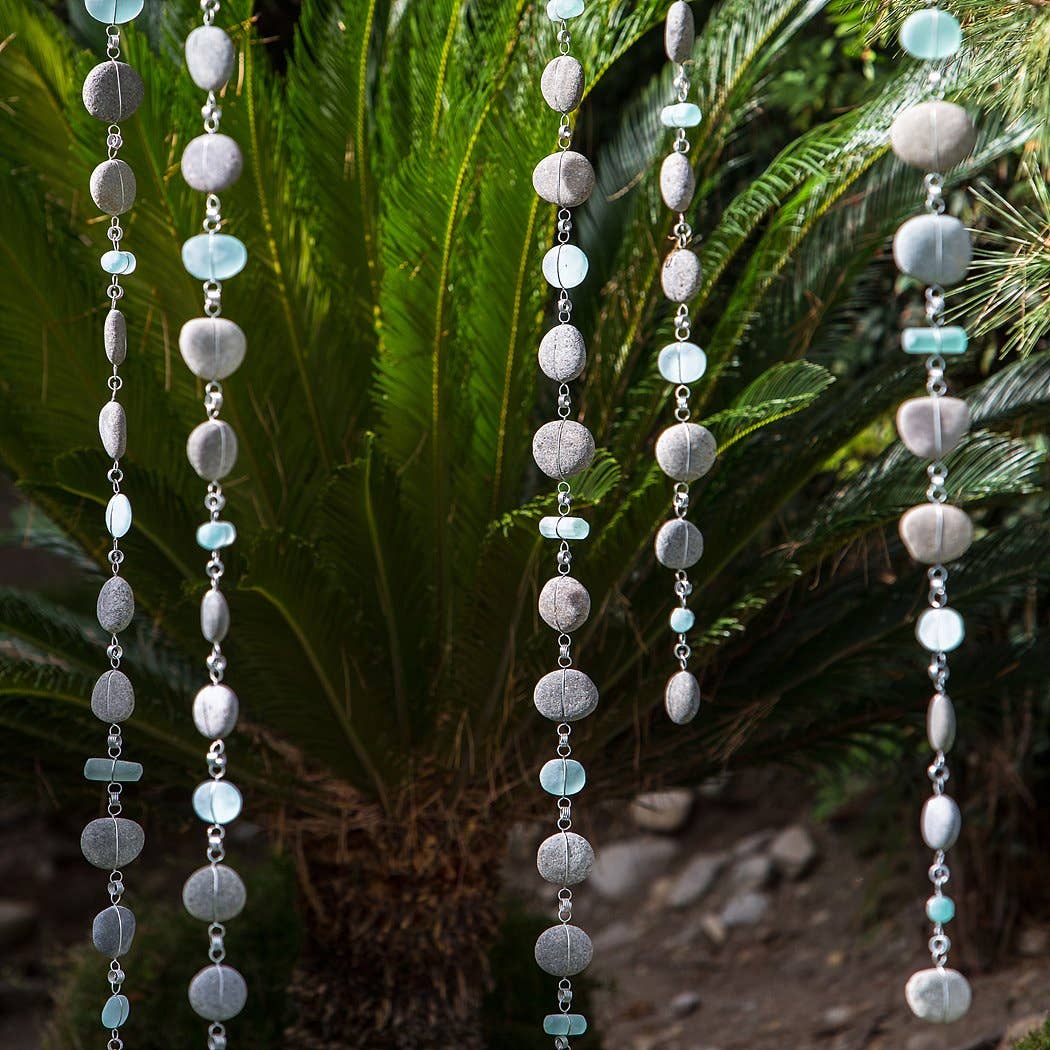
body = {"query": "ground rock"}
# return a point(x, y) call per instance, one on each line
point(624, 867)
point(662, 811)
point(752, 873)
point(794, 852)
point(746, 909)
point(696, 879)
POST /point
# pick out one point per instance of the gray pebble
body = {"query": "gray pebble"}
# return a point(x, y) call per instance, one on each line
point(564, 604)
point(679, 32)
point(113, 429)
point(681, 275)
point(218, 993)
point(112, 842)
point(677, 182)
point(563, 353)
point(113, 698)
point(113, 91)
point(565, 178)
point(934, 249)
point(214, 894)
point(115, 337)
point(679, 544)
point(113, 187)
point(682, 697)
point(933, 136)
point(563, 951)
point(940, 722)
point(210, 57)
point(113, 931)
point(563, 448)
point(686, 451)
point(566, 859)
point(936, 533)
point(215, 616)
point(939, 995)
point(215, 711)
point(116, 605)
point(212, 163)
point(212, 449)
point(562, 84)
point(212, 347)
point(565, 695)
point(931, 427)
point(941, 822)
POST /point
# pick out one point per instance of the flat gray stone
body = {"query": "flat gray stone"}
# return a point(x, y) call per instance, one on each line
point(686, 451)
point(794, 852)
point(563, 449)
point(677, 182)
point(682, 697)
point(933, 136)
point(112, 842)
point(665, 812)
point(679, 32)
point(218, 993)
point(931, 427)
point(212, 163)
point(752, 873)
point(940, 722)
point(563, 353)
point(215, 616)
point(215, 711)
point(564, 951)
point(116, 605)
point(113, 91)
point(564, 604)
point(212, 449)
point(115, 337)
point(941, 822)
point(939, 995)
point(210, 57)
point(212, 347)
point(113, 698)
point(936, 533)
point(624, 868)
point(746, 909)
point(681, 275)
point(113, 429)
point(214, 893)
point(113, 931)
point(565, 178)
point(113, 187)
point(565, 859)
point(696, 880)
point(679, 544)
point(565, 695)
point(562, 84)
point(934, 249)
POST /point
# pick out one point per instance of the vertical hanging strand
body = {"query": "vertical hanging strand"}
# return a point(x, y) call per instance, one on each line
point(562, 449)
point(113, 91)
point(684, 451)
point(934, 249)
point(213, 347)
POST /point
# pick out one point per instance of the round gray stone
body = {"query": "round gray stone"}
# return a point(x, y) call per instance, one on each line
point(565, 178)
point(116, 605)
point(934, 249)
point(686, 451)
point(681, 275)
point(679, 544)
point(562, 84)
point(212, 347)
point(113, 91)
point(941, 822)
point(564, 604)
point(113, 187)
point(677, 182)
point(113, 698)
point(113, 429)
point(682, 697)
point(212, 163)
point(215, 616)
point(210, 57)
point(679, 32)
point(218, 993)
point(933, 136)
point(566, 859)
point(115, 337)
point(565, 695)
point(215, 711)
point(113, 931)
point(214, 894)
point(931, 427)
point(563, 448)
point(563, 353)
point(111, 842)
point(936, 533)
point(212, 449)
point(940, 722)
point(939, 995)
point(563, 951)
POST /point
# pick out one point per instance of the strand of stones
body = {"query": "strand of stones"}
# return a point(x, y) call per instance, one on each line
point(562, 449)
point(935, 250)
point(684, 451)
point(113, 91)
point(213, 347)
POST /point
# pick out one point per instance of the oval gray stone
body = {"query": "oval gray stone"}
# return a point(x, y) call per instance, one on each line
point(564, 604)
point(212, 347)
point(936, 533)
point(682, 697)
point(934, 249)
point(210, 57)
point(563, 353)
point(115, 337)
point(566, 859)
point(565, 178)
point(215, 711)
point(941, 822)
point(940, 723)
point(113, 429)
point(113, 698)
point(113, 931)
point(563, 951)
point(939, 995)
point(563, 448)
point(218, 993)
point(679, 544)
point(212, 449)
point(113, 91)
point(211, 163)
point(113, 187)
point(116, 605)
point(686, 451)
point(933, 136)
point(677, 182)
point(679, 32)
point(562, 84)
point(681, 275)
point(565, 695)
point(111, 842)
point(215, 893)
point(215, 616)
point(931, 427)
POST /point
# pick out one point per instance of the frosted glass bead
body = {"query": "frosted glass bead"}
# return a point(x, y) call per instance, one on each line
point(558, 10)
point(682, 363)
point(114, 13)
point(940, 630)
point(566, 528)
point(118, 516)
point(562, 776)
point(564, 1024)
point(119, 264)
point(116, 1011)
point(565, 266)
point(931, 34)
point(682, 620)
point(112, 771)
point(680, 115)
point(940, 909)
point(217, 802)
point(948, 341)
point(939, 995)
point(214, 256)
point(214, 535)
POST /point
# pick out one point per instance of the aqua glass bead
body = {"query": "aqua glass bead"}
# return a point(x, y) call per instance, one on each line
point(940, 630)
point(112, 771)
point(682, 363)
point(214, 256)
point(565, 266)
point(559, 10)
point(118, 516)
point(217, 802)
point(116, 1011)
point(682, 620)
point(567, 528)
point(940, 909)
point(564, 1024)
point(948, 341)
point(562, 776)
point(114, 12)
point(680, 115)
point(931, 34)
point(214, 535)
point(118, 263)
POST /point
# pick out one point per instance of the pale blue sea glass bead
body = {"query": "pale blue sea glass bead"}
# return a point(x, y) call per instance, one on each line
point(567, 528)
point(214, 256)
point(112, 771)
point(118, 263)
point(114, 13)
point(217, 802)
point(940, 909)
point(562, 776)
point(940, 630)
point(931, 34)
point(214, 535)
point(564, 1024)
point(559, 10)
point(682, 620)
point(682, 363)
point(118, 516)
point(947, 341)
point(565, 266)
point(116, 1011)
point(680, 115)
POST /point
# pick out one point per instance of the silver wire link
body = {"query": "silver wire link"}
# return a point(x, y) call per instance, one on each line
point(934, 183)
point(217, 1037)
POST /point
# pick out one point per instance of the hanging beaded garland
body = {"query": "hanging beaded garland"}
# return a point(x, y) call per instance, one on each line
point(935, 249)
point(213, 348)
point(113, 91)
point(562, 449)
point(685, 451)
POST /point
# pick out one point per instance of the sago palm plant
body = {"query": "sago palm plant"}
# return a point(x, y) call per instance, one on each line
point(386, 639)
